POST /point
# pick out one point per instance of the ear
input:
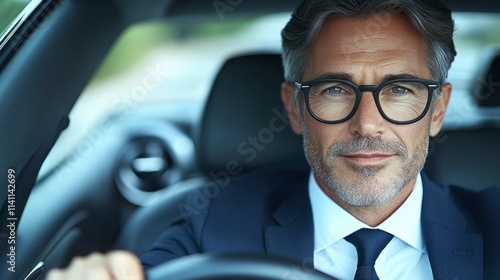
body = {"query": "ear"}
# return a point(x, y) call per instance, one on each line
point(440, 110)
point(288, 98)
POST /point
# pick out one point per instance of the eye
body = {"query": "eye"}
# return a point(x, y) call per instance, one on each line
point(333, 90)
point(404, 90)
point(399, 90)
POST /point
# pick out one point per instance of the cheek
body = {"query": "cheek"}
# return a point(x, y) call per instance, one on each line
point(413, 136)
point(323, 136)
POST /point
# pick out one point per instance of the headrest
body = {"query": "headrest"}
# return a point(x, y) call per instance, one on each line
point(469, 158)
point(244, 125)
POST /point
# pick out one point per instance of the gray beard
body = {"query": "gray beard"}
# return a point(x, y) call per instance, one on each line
point(367, 188)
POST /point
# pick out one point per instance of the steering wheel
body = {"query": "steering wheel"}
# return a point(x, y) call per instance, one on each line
point(233, 266)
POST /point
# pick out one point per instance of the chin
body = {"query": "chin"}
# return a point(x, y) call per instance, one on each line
point(362, 190)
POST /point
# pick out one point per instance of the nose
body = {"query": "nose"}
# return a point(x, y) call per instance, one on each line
point(367, 121)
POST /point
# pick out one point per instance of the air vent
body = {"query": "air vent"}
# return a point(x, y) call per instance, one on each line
point(145, 168)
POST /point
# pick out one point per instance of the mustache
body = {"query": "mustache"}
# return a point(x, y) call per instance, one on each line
point(368, 145)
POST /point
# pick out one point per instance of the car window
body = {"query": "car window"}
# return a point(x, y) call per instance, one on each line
point(477, 43)
point(10, 10)
point(12, 13)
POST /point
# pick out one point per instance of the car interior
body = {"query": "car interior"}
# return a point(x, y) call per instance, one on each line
point(129, 187)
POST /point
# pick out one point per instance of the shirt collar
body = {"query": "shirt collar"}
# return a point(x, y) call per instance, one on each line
point(332, 223)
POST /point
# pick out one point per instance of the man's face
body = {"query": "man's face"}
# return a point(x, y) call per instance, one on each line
point(366, 160)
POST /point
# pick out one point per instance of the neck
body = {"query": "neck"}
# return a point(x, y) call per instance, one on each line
point(371, 215)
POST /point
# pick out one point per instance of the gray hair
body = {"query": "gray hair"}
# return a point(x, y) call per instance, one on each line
point(430, 17)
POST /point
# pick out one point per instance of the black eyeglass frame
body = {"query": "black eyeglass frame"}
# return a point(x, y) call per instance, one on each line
point(306, 86)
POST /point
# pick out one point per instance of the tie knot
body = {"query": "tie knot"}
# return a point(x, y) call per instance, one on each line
point(369, 243)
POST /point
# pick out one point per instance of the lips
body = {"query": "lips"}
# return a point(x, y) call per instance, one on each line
point(368, 158)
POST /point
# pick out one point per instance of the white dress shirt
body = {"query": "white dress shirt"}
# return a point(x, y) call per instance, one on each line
point(405, 257)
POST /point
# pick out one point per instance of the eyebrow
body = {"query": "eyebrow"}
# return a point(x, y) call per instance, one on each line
point(333, 75)
point(399, 76)
point(350, 78)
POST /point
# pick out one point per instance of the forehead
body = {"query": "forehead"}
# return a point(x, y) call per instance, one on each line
point(383, 44)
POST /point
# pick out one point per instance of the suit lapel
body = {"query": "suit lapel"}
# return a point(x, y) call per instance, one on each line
point(453, 253)
point(293, 235)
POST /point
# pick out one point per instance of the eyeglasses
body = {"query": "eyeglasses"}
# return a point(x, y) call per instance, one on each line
point(399, 101)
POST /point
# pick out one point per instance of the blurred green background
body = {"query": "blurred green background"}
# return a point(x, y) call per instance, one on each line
point(9, 9)
point(136, 41)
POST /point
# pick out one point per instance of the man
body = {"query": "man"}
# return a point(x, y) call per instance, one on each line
point(365, 86)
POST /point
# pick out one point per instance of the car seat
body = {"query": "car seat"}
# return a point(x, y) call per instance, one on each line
point(243, 127)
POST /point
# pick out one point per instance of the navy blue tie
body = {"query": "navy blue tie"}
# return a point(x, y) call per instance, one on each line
point(369, 243)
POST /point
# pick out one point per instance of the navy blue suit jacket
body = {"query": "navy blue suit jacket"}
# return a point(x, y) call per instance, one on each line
point(269, 212)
